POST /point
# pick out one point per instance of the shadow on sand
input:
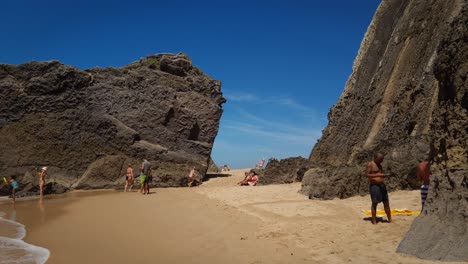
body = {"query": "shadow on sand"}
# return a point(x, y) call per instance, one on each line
point(215, 175)
point(379, 219)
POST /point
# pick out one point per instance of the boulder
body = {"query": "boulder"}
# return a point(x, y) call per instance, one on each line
point(284, 171)
point(87, 125)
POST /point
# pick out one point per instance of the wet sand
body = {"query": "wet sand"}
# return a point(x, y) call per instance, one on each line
point(217, 222)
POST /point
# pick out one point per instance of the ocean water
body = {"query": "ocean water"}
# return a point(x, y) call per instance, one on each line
point(13, 249)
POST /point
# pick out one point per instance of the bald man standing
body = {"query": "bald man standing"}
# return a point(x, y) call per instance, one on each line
point(377, 188)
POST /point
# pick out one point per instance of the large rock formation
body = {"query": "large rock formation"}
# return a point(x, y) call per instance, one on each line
point(407, 98)
point(86, 126)
point(441, 232)
point(388, 102)
point(284, 171)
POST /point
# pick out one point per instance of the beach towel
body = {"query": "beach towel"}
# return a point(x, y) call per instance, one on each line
point(393, 212)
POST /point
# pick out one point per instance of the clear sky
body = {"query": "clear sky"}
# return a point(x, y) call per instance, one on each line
point(283, 64)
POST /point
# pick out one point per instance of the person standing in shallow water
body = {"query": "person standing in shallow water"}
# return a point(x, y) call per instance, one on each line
point(14, 187)
point(423, 173)
point(42, 175)
point(377, 188)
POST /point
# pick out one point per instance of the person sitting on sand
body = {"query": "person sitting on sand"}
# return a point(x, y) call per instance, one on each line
point(42, 174)
point(423, 173)
point(244, 181)
point(192, 177)
point(129, 178)
point(377, 188)
point(250, 179)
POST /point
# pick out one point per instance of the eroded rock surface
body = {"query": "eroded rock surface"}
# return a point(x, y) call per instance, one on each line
point(87, 125)
point(407, 98)
point(284, 171)
point(441, 232)
point(388, 102)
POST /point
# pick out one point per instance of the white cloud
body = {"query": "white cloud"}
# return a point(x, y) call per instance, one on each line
point(282, 101)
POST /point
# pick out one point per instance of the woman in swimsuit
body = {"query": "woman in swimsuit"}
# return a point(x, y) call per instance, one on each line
point(129, 178)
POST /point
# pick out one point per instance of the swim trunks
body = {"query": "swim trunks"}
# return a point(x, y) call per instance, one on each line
point(143, 178)
point(15, 185)
point(378, 192)
point(424, 191)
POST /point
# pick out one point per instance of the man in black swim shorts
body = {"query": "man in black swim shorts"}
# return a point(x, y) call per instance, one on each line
point(377, 188)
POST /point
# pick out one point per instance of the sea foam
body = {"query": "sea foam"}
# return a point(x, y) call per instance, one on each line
point(14, 250)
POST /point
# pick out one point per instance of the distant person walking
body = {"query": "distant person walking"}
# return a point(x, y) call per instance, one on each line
point(377, 188)
point(423, 174)
point(129, 178)
point(144, 176)
point(42, 174)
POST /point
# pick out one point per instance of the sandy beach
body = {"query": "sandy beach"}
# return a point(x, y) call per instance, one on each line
point(217, 222)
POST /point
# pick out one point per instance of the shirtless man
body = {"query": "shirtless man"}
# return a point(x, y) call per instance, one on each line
point(129, 178)
point(423, 173)
point(42, 174)
point(144, 176)
point(377, 188)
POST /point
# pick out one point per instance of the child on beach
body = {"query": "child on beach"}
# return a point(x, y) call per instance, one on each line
point(14, 186)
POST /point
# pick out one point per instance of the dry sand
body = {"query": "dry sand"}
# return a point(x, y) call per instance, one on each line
point(217, 222)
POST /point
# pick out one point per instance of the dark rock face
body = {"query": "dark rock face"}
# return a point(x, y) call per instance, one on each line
point(86, 126)
point(388, 102)
point(441, 232)
point(284, 171)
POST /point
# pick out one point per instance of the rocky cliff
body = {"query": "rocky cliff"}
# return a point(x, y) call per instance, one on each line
point(406, 97)
point(87, 125)
point(441, 232)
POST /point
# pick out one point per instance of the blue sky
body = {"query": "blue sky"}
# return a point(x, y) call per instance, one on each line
point(283, 64)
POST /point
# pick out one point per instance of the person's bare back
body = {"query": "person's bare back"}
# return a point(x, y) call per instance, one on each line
point(424, 172)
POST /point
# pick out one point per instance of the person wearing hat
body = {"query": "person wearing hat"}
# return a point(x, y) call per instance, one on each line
point(42, 175)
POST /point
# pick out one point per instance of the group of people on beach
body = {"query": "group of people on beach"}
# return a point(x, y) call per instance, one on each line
point(378, 190)
point(374, 172)
point(13, 183)
point(145, 177)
